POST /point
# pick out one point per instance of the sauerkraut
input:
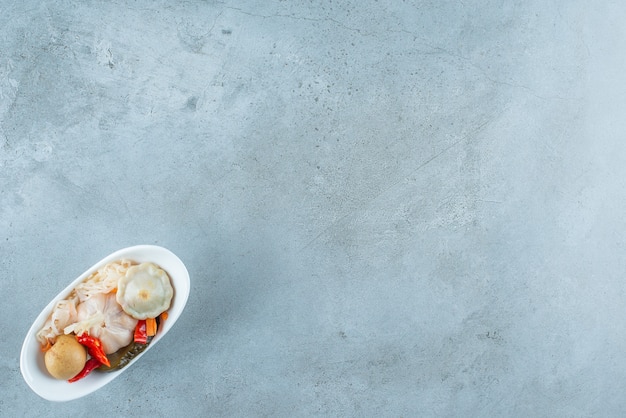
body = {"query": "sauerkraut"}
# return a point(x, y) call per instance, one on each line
point(65, 313)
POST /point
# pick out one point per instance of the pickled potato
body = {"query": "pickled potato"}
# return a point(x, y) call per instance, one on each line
point(66, 358)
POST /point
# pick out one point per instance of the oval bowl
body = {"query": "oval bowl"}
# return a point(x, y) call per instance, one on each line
point(31, 358)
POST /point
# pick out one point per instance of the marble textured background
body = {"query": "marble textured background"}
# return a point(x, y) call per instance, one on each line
point(408, 208)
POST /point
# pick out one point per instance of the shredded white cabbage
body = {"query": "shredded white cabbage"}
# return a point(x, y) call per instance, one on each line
point(83, 326)
point(103, 280)
point(64, 315)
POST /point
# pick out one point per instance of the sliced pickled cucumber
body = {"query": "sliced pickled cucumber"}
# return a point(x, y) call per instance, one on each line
point(123, 356)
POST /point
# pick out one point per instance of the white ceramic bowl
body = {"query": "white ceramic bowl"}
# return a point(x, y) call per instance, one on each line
point(32, 359)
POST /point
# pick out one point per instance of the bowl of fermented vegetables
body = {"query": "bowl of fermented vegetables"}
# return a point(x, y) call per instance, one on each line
point(104, 321)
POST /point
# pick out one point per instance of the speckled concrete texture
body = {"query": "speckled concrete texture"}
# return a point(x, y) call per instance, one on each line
point(402, 208)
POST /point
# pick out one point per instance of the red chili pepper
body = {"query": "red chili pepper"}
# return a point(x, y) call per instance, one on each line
point(141, 336)
point(94, 346)
point(90, 365)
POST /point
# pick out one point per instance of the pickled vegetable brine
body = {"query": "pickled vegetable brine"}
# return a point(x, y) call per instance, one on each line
point(112, 315)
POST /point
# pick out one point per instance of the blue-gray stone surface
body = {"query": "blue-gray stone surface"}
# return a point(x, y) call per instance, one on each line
point(407, 208)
